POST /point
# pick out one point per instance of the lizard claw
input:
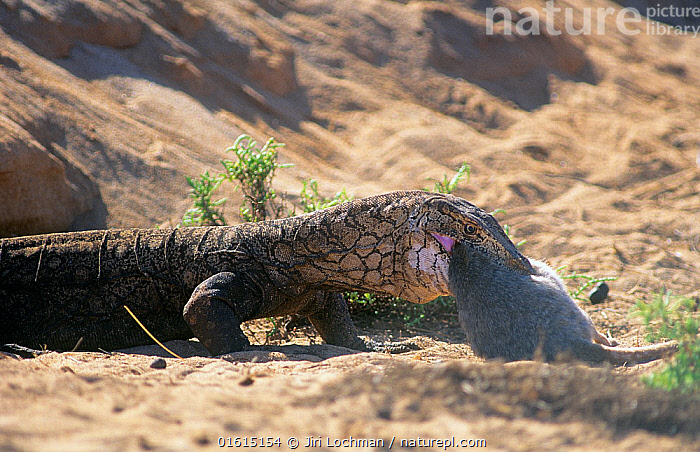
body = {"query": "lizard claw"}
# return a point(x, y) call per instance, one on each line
point(390, 347)
point(23, 352)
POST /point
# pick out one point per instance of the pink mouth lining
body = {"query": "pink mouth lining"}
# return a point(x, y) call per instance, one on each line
point(447, 242)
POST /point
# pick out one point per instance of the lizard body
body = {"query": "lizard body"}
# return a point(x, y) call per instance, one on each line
point(58, 288)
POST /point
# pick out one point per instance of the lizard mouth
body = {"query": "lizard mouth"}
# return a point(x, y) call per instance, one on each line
point(513, 260)
point(447, 242)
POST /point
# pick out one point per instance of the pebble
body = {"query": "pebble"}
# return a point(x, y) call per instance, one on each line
point(246, 381)
point(158, 363)
point(599, 293)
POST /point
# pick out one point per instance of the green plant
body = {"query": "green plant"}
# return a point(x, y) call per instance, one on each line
point(364, 304)
point(388, 307)
point(311, 200)
point(510, 233)
point(588, 281)
point(275, 328)
point(448, 186)
point(254, 171)
point(414, 314)
point(673, 317)
point(204, 211)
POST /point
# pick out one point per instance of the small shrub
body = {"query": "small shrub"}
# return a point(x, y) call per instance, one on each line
point(254, 171)
point(361, 303)
point(448, 186)
point(414, 314)
point(674, 317)
point(204, 211)
point(311, 200)
point(588, 281)
point(387, 307)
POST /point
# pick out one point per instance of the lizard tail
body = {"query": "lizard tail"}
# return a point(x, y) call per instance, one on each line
point(624, 356)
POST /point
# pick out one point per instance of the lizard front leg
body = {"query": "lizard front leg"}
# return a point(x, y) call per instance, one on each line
point(220, 303)
point(211, 312)
point(332, 321)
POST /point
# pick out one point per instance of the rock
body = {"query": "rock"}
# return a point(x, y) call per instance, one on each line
point(159, 363)
point(599, 293)
point(9, 62)
point(182, 18)
point(35, 195)
point(514, 67)
point(52, 28)
point(672, 12)
point(273, 69)
point(99, 23)
point(246, 381)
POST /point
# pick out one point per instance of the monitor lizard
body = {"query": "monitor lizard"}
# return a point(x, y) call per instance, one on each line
point(59, 289)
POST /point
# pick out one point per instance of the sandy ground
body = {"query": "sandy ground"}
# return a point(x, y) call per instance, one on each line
point(589, 143)
point(96, 401)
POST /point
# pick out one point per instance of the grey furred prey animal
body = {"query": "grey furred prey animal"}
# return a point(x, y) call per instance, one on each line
point(516, 316)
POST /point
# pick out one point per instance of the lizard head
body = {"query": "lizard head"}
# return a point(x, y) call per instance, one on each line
point(440, 221)
point(449, 219)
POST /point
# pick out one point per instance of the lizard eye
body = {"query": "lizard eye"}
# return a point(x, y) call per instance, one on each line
point(469, 229)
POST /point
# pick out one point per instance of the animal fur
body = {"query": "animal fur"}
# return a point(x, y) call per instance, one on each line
point(515, 316)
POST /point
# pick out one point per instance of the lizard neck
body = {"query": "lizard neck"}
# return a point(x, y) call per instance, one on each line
point(364, 248)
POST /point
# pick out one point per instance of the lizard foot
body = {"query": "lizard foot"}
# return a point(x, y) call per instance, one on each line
point(23, 352)
point(390, 347)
